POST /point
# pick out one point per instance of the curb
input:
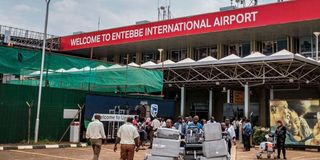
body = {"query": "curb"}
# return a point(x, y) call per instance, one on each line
point(44, 146)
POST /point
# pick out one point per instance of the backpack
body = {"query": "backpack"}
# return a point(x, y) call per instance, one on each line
point(248, 130)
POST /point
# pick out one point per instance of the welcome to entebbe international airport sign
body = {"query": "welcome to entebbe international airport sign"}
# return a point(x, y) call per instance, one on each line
point(278, 13)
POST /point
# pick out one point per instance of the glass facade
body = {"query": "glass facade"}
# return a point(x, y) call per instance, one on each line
point(305, 46)
point(203, 52)
point(239, 49)
point(150, 56)
point(177, 55)
point(123, 58)
point(268, 47)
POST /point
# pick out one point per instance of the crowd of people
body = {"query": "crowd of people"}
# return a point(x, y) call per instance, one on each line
point(137, 131)
point(230, 128)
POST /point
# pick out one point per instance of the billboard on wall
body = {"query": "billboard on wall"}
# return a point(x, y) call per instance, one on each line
point(100, 104)
point(302, 119)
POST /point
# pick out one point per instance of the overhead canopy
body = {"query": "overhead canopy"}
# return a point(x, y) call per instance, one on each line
point(76, 73)
point(282, 68)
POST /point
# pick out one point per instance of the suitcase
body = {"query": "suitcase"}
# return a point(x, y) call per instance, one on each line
point(216, 158)
point(168, 133)
point(212, 131)
point(165, 147)
point(152, 157)
point(212, 149)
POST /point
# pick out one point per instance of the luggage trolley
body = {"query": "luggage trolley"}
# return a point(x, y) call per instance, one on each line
point(193, 146)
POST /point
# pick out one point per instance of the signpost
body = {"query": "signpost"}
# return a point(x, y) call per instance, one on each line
point(113, 117)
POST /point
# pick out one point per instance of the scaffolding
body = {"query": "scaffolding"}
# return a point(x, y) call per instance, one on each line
point(12, 36)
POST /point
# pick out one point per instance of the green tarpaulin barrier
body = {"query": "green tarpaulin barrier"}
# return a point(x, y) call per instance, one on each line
point(120, 79)
point(23, 61)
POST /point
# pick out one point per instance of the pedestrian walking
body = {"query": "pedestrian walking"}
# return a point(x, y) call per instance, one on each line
point(135, 121)
point(95, 133)
point(226, 136)
point(281, 132)
point(211, 120)
point(128, 137)
point(195, 123)
point(232, 135)
point(169, 124)
point(247, 132)
point(181, 126)
point(142, 131)
point(155, 124)
point(148, 128)
point(203, 122)
point(236, 125)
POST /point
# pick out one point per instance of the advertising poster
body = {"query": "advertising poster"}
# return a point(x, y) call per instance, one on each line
point(302, 119)
point(128, 106)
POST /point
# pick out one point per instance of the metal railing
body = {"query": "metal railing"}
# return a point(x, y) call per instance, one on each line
point(27, 38)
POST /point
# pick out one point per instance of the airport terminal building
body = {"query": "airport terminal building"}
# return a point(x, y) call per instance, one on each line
point(212, 62)
point(227, 64)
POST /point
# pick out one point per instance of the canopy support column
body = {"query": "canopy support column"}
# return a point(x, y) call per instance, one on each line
point(271, 94)
point(228, 96)
point(182, 100)
point(210, 104)
point(246, 100)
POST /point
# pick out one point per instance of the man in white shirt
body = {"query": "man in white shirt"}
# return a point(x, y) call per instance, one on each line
point(232, 134)
point(155, 124)
point(211, 120)
point(128, 137)
point(95, 132)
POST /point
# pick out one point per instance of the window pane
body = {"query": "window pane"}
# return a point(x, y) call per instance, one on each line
point(267, 47)
point(281, 44)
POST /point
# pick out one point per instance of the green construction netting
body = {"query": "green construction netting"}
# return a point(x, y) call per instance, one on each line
point(23, 61)
point(119, 79)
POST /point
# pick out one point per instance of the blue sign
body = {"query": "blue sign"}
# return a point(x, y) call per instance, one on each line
point(154, 110)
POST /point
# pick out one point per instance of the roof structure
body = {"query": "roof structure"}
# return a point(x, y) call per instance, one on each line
point(279, 69)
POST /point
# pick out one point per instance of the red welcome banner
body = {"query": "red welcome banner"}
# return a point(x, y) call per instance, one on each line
point(271, 14)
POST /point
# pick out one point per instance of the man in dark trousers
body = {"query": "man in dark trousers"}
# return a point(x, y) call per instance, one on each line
point(95, 133)
point(247, 132)
point(128, 137)
point(281, 132)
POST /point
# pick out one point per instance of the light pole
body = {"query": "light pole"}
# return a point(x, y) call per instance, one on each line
point(36, 130)
point(317, 44)
point(162, 65)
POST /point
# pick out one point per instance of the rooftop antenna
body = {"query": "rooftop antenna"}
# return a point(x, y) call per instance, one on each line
point(244, 3)
point(99, 23)
point(164, 9)
point(169, 12)
point(158, 11)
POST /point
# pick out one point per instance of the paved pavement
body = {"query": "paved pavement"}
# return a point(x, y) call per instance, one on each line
point(108, 154)
point(291, 154)
point(65, 153)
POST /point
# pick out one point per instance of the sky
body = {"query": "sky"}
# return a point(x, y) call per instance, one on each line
point(68, 16)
